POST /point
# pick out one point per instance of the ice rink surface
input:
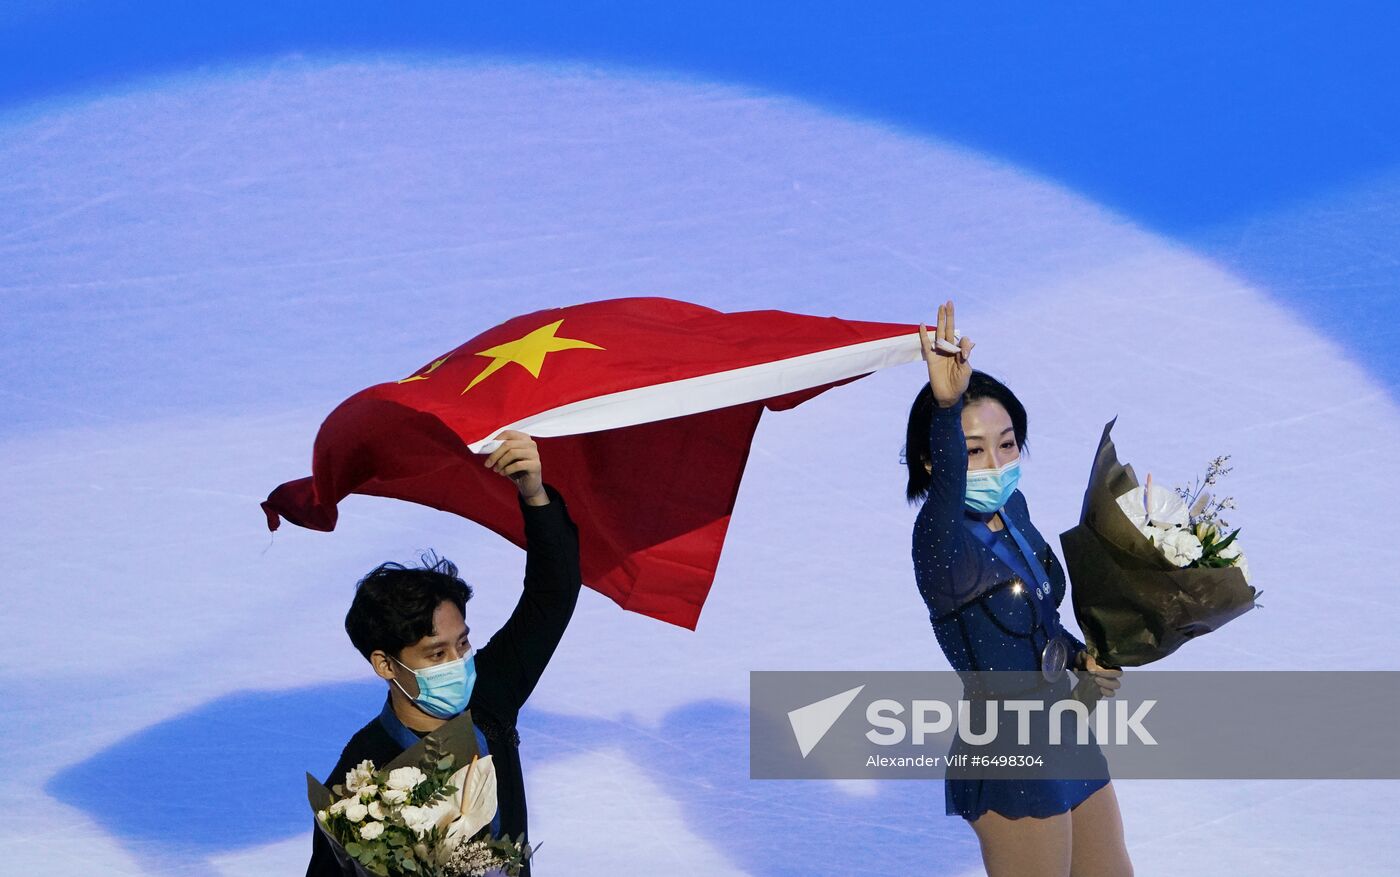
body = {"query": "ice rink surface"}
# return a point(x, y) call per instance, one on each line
point(197, 269)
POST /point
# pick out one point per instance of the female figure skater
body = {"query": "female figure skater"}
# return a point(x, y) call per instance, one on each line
point(992, 586)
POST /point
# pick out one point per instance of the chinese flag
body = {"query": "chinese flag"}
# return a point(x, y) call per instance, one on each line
point(643, 409)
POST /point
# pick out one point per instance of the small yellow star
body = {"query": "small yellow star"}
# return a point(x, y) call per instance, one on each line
point(424, 376)
point(528, 352)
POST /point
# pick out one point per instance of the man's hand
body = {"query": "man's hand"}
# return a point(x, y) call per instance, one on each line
point(518, 458)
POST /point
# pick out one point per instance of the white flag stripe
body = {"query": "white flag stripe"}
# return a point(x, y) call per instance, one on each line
point(712, 391)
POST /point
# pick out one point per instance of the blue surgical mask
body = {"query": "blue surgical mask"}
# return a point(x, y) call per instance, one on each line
point(444, 690)
point(989, 489)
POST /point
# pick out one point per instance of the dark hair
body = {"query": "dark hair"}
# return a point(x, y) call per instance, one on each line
point(981, 386)
point(394, 605)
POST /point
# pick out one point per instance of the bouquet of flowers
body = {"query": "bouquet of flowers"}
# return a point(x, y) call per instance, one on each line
point(1152, 568)
point(420, 815)
point(1185, 525)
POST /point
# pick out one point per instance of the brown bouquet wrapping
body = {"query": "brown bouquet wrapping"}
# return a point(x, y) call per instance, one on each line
point(1134, 605)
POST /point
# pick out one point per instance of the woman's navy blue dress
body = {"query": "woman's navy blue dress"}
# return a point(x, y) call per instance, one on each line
point(987, 618)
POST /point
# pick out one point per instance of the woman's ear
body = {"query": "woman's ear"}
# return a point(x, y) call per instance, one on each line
point(928, 467)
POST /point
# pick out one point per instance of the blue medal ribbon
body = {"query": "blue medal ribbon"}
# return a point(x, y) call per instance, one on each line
point(1027, 565)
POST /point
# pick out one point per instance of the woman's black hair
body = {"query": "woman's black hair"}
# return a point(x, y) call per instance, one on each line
point(394, 605)
point(916, 456)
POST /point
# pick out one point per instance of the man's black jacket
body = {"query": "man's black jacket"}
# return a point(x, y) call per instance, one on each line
point(507, 669)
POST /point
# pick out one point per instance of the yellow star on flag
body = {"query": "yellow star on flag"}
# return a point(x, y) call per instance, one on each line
point(424, 376)
point(529, 351)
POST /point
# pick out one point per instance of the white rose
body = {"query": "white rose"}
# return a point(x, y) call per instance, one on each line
point(359, 775)
point(322, 816)
point(1159, 506)
point(1233, 552)
point(367, 792)
point(419, 820)
point(1180, 547)
point(393, 797)
point(406, 779)
point(377, 810)
point(356, 811)
point(371, 830)
point(339, 806)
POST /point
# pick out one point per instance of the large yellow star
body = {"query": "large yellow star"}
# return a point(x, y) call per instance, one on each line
point(528, 352)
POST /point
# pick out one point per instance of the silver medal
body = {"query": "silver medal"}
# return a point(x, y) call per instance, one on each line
point(1053, 659)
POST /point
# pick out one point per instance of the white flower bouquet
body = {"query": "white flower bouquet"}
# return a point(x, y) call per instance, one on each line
point(1151, 568)
point(1186, 524)
point(422, 815)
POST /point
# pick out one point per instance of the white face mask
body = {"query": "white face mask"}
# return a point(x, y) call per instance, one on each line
point(989, 489)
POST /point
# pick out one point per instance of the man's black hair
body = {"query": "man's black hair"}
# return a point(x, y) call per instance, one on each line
point(916, 456)
point(394, 605)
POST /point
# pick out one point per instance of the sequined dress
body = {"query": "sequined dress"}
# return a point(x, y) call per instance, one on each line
point(987, 617)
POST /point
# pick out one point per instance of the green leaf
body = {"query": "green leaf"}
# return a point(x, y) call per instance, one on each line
point(409, 865)
point(354, 849)
point(445, 763)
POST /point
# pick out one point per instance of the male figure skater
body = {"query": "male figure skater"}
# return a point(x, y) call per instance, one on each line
point(410, 625)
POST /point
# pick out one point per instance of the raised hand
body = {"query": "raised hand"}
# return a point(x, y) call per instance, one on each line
point(518, 458)
point(948, 373)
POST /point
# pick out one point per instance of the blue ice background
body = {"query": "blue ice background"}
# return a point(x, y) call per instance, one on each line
point(699, 752)
point(1261, 134)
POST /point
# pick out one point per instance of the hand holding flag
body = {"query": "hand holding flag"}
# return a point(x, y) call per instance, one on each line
point(518, 457)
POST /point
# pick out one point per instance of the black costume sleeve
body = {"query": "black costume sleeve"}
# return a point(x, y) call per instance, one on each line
point(511, 663)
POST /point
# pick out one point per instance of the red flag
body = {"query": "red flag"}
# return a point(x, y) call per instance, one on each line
point(643, 409)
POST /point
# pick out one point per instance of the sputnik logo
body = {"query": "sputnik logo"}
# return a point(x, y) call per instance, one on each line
point(811, 722)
